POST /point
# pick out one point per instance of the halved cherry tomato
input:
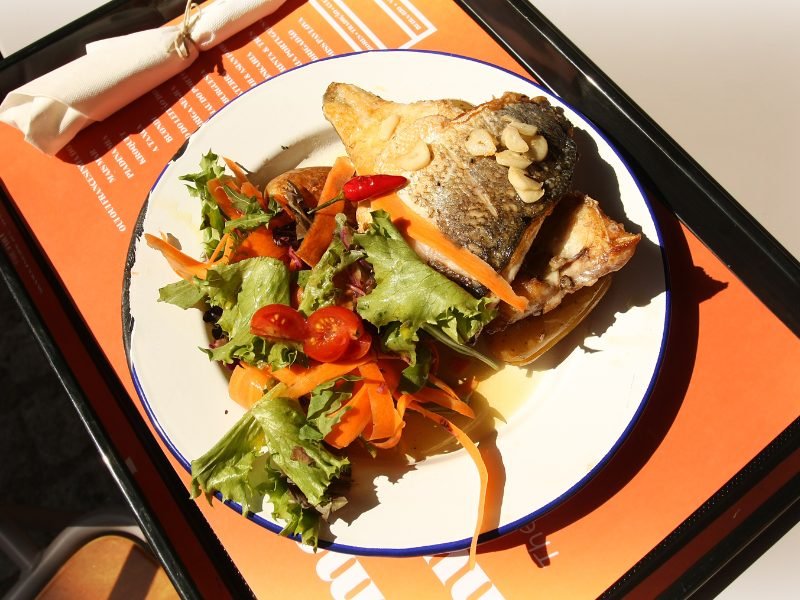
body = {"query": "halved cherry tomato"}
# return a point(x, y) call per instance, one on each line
point(330, 331)
point(358, 348)
point(278, 321)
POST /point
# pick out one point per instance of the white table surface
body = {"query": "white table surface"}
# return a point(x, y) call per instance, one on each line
point(720, 77)
point(723, 79)
point(25, 21)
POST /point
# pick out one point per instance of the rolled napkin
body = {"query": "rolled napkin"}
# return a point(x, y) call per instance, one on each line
point(52, 109)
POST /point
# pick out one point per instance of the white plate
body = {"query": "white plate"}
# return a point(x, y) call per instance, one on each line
point(563, 419)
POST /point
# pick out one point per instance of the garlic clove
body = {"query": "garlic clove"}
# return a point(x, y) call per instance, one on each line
point(387, 126)
point(363, 217)
point(538, 148)
point(531, 196)
point(526, 130)
point(480, 143)
point(511, 139)
point(508, 158)
point(418, 157)
point(520, 181)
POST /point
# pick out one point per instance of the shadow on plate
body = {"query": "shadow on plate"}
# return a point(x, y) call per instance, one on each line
point(688, 286)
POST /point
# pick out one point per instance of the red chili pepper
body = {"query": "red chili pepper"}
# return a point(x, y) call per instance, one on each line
point(364, 187)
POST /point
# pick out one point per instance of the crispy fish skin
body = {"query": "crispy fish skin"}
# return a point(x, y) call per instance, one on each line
point(577, 246)
point(468, 198)
point(365, 122)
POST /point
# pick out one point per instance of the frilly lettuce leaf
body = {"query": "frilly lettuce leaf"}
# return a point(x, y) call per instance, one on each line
point(409, 295)
point(325, 407)
point(213, 221)
point(183, 293)
point(318, 287)
point(410, 292)
point(264, 455)
point(307, 463)
point(240, 289)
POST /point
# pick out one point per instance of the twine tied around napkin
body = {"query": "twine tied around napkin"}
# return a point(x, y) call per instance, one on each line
point(184, 37)
point(52, 109)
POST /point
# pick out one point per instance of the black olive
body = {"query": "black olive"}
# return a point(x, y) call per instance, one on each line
point(213, 314)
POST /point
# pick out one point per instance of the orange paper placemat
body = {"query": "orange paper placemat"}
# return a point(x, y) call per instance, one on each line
point(725, 391)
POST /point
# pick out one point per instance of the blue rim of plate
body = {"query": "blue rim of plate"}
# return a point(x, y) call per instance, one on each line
point(444, 547)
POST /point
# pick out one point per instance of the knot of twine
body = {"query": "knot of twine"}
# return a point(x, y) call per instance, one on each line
point(184, 37)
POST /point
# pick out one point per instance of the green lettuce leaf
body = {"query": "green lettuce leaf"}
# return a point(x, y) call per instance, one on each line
point(183, 293)
point(300, 520)
point(307, 463)
point(240, 289)
point(285, 354)
point(318, 287)
point(264, 455)
point(226, 467)
point(327, 398)
point(409, 295)
point(212, 220)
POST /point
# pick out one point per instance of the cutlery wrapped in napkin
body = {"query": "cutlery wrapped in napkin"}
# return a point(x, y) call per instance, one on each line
point(52, 109)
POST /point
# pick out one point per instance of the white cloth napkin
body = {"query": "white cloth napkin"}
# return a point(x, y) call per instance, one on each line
point(52, 109)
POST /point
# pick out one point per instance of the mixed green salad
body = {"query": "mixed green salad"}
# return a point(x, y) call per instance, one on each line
point(331, 327)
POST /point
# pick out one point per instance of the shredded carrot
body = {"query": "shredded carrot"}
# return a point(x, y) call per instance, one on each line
point(247, 384)
point(259, 242)
point(224, 248)
point(414, 226)
point(476, 457)
point(319, 235)
point(251, 191)
point(290, 374)
point(437, 396)
point(216, 187)
point(238, 172)
point(311, 378)
point(455, 397)
point(402, 403)
point(386, 421)
point(391, 371)
point(353, 421)
point(186, 266)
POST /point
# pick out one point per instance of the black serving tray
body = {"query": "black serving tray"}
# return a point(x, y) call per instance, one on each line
point(665, 169)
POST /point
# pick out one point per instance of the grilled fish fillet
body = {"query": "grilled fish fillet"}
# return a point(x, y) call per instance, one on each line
point(577, 246)
point(468, 197)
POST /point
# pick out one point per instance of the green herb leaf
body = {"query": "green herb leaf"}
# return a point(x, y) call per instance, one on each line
point(253, 215)
point(212, 219)
point(319, 289)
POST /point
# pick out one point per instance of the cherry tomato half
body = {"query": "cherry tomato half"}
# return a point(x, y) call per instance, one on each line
point(278, 321)
point(358, 348)
point(330, 331)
